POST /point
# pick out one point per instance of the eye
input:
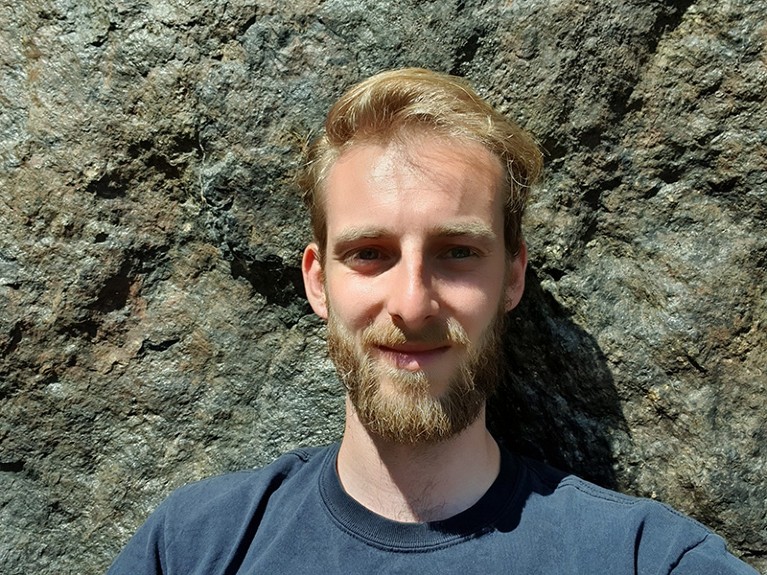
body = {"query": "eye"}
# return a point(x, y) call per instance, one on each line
point(460, 252)
point(367, 260)
point(366, 254)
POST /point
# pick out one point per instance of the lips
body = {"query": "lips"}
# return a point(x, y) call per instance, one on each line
point(412, 357)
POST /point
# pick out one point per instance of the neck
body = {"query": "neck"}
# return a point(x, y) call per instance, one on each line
point(419, 482)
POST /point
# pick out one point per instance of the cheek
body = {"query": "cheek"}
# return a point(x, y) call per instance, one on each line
point(475, 308)
point(353, 302)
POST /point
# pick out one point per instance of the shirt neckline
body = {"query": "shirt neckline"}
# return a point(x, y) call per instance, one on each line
point(378, 531)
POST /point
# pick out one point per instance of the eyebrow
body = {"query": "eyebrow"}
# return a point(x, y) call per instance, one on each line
point(354, 234)
point(474, 230)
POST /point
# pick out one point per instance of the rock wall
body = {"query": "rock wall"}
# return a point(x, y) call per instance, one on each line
point(153, 328)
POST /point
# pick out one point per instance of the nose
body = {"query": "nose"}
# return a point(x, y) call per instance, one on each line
point(412, 300)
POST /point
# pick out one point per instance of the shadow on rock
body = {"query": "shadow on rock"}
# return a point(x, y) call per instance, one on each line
point(557, 402)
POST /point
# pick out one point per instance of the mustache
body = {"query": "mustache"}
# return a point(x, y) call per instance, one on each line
point(389, 335)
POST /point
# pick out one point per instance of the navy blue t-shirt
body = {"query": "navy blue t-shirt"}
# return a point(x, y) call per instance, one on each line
point(293, 517)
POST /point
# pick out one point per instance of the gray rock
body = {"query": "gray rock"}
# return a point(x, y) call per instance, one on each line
point(153, 328)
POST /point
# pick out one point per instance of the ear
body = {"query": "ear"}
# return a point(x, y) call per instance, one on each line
point(515, 286)
point(314, 280)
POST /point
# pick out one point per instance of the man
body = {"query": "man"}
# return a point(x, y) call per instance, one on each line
point(416, 191)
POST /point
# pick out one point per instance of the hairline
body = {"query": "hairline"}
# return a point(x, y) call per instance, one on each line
point(404, 135)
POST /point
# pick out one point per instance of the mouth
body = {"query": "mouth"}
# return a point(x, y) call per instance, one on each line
point(412, 357)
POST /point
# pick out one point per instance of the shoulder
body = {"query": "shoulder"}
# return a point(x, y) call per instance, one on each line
point(202, 522)
point(220, 504)
point(579, 497)
point(221, 494)
point(596, 521)
point(282, 468)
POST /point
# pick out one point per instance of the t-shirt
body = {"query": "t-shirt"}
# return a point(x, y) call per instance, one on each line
point(294, 517)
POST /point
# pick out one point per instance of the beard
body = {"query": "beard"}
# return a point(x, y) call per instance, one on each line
point(408, 413)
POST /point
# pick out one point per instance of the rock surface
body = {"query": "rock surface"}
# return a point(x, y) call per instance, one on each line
point(153, 328)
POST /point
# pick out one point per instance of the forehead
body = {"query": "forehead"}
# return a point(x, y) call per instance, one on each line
point(424, 175)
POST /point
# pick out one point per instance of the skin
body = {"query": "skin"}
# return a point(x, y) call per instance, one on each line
point(415, 237)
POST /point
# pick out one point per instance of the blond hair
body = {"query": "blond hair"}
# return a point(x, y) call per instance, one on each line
point(392, 104)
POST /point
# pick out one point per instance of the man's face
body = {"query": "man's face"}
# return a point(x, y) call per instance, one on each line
point(414, 282)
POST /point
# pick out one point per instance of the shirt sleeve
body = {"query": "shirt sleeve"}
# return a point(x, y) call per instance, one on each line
point(711, 557)
point(143, 555)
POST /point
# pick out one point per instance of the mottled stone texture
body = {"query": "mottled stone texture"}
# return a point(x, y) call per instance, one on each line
point(153, 328)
